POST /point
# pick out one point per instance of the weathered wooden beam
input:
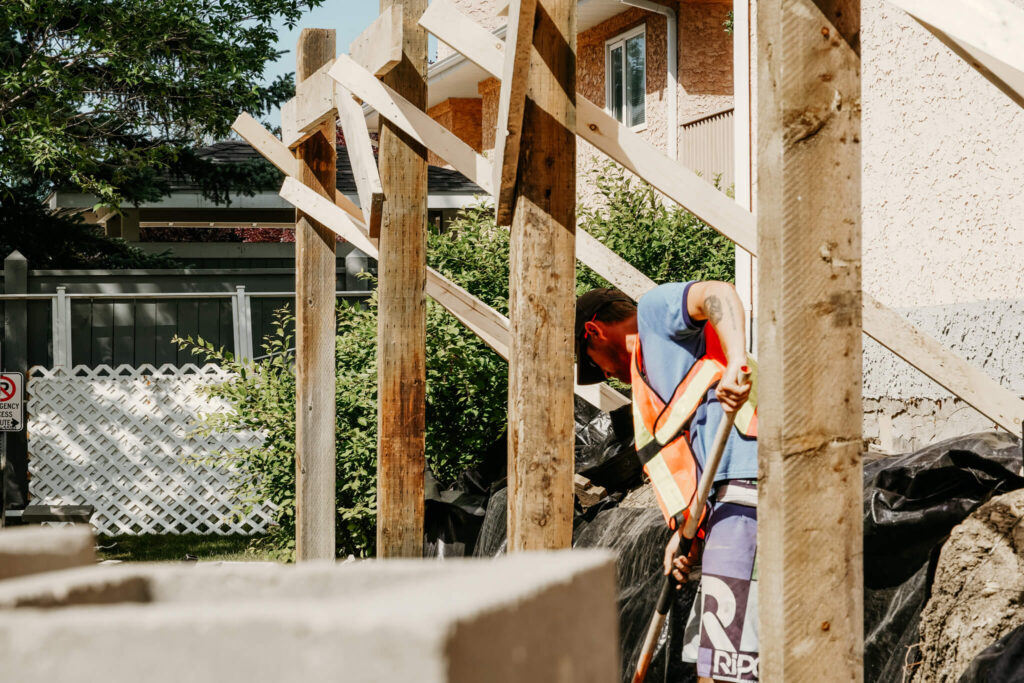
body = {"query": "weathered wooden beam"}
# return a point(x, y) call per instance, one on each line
point(542, 282)
point(810, 497)
point(411, 119)
point(511, 104)
point(987, 34)
point(275, 151)
point(378, 49)
point(402, 312)
point(492, 327)
point(315, 264)
point(360, 154)
point(733, 221)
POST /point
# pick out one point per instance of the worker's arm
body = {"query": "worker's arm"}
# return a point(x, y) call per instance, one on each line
point(718, 303)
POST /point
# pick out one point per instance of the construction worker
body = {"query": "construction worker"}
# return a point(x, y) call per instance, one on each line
point(681, 348)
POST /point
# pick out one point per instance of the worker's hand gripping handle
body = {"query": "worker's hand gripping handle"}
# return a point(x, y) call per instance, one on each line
point(689, 532)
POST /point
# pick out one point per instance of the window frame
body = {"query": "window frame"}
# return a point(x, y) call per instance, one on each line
point(610, 44)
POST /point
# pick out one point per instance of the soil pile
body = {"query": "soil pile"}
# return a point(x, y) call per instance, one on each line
point(978, 590)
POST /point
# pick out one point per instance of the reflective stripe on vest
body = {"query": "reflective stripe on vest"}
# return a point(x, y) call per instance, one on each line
point(661, 440)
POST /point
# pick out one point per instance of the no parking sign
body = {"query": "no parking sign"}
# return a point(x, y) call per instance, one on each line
point(12, 401)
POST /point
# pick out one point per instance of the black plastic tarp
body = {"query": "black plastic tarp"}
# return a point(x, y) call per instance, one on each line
point(1000, 662)
point(911, 504)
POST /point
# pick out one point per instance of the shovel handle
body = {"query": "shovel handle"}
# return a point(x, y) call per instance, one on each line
point(689, 531)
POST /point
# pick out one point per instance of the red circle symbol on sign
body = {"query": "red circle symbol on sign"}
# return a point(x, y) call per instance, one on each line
point(7, 388)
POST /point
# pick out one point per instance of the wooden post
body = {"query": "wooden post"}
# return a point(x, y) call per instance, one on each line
point(15, 359)
point(542, 292)
point(401, 328)
point(809, 338)
point(315, 329)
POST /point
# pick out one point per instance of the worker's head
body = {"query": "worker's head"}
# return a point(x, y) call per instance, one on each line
point(604, 317)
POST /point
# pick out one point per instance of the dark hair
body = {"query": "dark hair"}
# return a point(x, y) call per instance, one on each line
point(615, 311)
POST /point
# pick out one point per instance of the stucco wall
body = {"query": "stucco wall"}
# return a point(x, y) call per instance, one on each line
point(943, 221)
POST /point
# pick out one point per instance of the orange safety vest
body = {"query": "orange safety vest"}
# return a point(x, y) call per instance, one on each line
point(662, 440)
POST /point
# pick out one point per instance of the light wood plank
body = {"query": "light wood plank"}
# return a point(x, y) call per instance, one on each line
point(948, 370)
point(274, 151)
point(511, 102)
point(810, 486)
point(264, 142)
point(987, 34)
point(378, 49)
point(491, 326)
point(314, 100)
point(290, 134)
point(445, 21)
point(360, 154)
point(315, 263)
point(413, 120)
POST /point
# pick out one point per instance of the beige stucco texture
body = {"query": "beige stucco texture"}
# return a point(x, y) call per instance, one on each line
point(943, 222)
point(943, 171)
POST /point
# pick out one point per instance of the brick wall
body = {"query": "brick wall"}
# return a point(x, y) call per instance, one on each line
point(462, 116)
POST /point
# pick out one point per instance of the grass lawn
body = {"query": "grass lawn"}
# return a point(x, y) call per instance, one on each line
point(170, 548)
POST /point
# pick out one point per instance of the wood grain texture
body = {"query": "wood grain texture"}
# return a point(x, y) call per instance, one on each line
point(315, 263)
point(410, 119)
point(512, 104)
point(378, 49)
point(401, 328)
point(275, 151)
point(461, 33)
point(810, 548)
point(364, 163)
point(542, 292)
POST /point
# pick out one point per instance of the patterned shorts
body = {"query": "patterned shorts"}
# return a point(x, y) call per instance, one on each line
point(721, 633)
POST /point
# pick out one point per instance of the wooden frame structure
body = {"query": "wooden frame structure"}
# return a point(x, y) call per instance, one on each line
point(538, 25)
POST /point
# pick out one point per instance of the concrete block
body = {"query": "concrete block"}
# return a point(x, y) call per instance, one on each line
point(543, 617)
point(31, 550)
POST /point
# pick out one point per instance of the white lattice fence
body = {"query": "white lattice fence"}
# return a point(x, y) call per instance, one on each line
point(118, 439)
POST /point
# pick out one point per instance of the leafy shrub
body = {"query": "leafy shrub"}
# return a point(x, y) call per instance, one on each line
point(467, 383)
point(667, 244)
point(467, 389)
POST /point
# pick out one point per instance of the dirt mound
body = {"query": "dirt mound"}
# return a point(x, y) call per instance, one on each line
point(978, 593)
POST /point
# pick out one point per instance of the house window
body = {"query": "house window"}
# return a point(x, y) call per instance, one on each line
point(626, 77)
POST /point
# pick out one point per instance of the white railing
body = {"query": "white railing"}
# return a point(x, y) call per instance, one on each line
point(121, 439)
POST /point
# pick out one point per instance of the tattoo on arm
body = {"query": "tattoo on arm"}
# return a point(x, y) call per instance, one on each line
point(713, 305)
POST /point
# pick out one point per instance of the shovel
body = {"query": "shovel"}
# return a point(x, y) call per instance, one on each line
point(707, 478)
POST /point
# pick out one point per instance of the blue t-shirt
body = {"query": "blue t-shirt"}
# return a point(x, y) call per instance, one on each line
point(671, 343)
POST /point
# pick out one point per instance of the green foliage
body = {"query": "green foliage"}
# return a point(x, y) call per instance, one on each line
point(729, 23)
point(666, 244)
point(104, 96)
point(467, 383)
point(466, 394)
